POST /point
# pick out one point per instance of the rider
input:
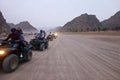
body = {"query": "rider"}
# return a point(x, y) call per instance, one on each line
point(44, 33)
point(41, 35)
point(15, 38)
point(49, 37)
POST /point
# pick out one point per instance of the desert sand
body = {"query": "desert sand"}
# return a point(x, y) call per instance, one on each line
point(73, 57)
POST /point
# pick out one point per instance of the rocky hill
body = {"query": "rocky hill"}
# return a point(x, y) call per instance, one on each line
point(4, 27)
point(84, 22)
point(11, 25)
point(25, 26)
point(113, 23)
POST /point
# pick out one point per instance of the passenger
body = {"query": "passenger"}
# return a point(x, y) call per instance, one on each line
point(21, 34)
point(23, 43)
point(15, 38)
point(22, 38)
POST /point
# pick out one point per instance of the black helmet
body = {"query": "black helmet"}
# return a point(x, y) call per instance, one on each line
point(13, 29)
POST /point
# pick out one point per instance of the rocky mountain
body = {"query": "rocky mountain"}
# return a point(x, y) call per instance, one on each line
point(4, 27)
point(25, 26)
point(113, 22)
point(11, 25)
point(84, 22)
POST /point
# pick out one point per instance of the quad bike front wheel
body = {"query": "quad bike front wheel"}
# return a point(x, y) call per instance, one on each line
point(42, 47)
point(29, 55)
point(10, 63)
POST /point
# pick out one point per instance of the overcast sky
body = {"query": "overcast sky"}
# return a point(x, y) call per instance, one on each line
point(52, 13)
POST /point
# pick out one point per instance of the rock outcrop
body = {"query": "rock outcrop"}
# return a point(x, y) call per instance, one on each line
point(113, 23)
point(84, 22)
point(25, 26)
point(4, 27)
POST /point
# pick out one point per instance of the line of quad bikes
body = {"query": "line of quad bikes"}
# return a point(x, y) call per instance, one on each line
point(10, 58)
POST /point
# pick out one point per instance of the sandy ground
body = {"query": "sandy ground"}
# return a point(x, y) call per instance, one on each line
point(73, 57)
point(108, 33)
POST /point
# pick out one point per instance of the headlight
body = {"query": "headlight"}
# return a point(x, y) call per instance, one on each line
point(2, 52)
point(56, 34)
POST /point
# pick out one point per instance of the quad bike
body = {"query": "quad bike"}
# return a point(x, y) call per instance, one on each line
point(39, 44)
point(50, 37)
point(11, 57)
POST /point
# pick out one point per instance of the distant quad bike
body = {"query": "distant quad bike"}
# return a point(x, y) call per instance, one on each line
point(50, 37)
point(39, 44)
point(11, 57)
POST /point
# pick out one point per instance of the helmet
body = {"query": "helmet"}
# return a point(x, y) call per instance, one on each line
point(13, 29)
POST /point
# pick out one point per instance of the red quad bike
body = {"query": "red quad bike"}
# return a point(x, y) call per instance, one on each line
point(11, 57)
point(50, 37)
